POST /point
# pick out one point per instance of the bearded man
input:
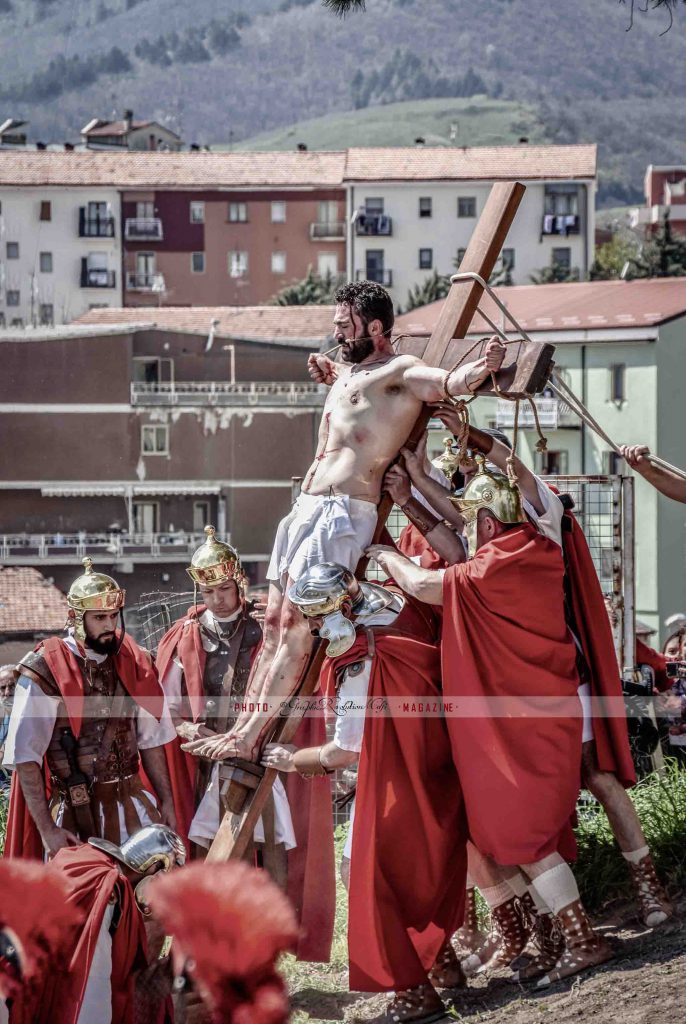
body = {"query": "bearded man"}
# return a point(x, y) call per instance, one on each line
point(88, 711)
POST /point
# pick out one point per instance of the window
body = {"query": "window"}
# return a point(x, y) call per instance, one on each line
point(466, 206)
point(561, 200)
point(144, 210)
point(612, 464)
point(328, 211)
point(426, 259)
point(146, 516)
point(459, 256)
point(327, 264)
point(373, 206)
point(13, 298)
point(13, 250)
point(279, 213)
point(551, 463)
point(201, 515)
point(2, 318)
point(154, 439)
point(46, 263)
point(617, 382)
point(45, 210)
point(17, 321)
point(238, 264)
point(508, 257)
point(562, 258)
point(425, 206)
point(146, 370)
point(46, 314)
point(197, 262)
point(197, 213)
point(278, 263)
point(238, 213)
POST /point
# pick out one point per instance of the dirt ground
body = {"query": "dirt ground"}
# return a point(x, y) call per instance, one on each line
point(644, 983)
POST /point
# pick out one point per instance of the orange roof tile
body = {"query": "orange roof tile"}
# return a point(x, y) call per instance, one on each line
point(569, 307)
point(29, 602)
point(477, 163)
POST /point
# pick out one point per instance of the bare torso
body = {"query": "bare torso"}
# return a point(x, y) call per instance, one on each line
point(368, 416)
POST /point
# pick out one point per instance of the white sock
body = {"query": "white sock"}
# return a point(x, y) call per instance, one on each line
point(541, 906)
point(634, 856)
point(556, 887)
point(517, 883)
point(496, 895)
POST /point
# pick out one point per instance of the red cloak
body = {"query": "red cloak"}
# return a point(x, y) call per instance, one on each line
point(593, 630)
point(505, 637)
point(139, 678)
point(414, 544)
point(408, 864)
point(311, 865)
point(90, 877)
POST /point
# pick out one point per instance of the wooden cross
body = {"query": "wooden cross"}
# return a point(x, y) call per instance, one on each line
point(526, 374)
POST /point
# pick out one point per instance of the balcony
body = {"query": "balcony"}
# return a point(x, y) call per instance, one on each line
point(70, 548)
point(143, 229)
point(94, 226)
point(97, 277)
point(552, 415)
point(283, 394)
point(560, 224)
point(327, 232)
point(376, 275)
point(140, 282)
point(641, 215)
point(372, 224)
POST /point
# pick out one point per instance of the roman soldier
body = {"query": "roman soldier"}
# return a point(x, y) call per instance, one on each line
point(88, 712)
point(204, 661)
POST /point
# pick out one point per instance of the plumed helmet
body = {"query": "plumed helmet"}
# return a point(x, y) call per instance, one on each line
point(152, 844)
point(492, 491)
point(214, 563)
point(93, 591)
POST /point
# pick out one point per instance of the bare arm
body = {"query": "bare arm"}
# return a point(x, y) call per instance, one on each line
point(663, 480)
point(280, 756)
point(32, 784)
point(155, 766)
point(435, 494)
point(440, 537)
point(430, 383)
point(424, 584)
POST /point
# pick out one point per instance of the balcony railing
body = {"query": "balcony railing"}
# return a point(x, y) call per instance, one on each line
point(373, 224)
point(640, 215)
point(143, 229)
point(325, 230)
point(139, 282)
point(28, 548)
point(205, 392)
point(552, 414)
point(95, 226)
point(97, 277)
point(560, 224)
point(377, 276)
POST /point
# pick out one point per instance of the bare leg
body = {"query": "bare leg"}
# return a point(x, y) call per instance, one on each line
point(270, 642)
point(345, 872)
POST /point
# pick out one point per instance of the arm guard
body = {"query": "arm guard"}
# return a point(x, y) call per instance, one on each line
point(307, 763)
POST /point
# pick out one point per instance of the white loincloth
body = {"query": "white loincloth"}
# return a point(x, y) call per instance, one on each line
point(322, 529)
point(208, 815)
point(584, 692)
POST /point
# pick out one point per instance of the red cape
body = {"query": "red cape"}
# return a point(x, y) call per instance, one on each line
point(414, 544)
point(505, 636)
point(408, 863)
point(91, 876)
point(594, 632)
point(311, 866)
point(137, 673)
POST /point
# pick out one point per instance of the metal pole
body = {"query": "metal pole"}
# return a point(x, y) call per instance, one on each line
point(628, 575)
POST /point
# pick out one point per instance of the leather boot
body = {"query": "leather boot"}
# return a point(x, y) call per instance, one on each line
point(583, 948)
point(447, 971)
point(420, 1005)
point(549, 945)
point(654, 906)
point(506, 940)
point(469, 937)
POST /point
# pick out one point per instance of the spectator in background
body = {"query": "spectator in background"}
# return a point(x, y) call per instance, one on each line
point(8, 680)
point(671, 648)
point(664, 480)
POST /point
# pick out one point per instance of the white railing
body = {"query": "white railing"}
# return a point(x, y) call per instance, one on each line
point(140, 228)
point(552, 413)
point(23, 547)
point(327, 229)
point(210, 392)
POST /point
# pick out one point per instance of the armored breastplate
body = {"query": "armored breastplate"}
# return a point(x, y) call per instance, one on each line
point(106, 749)
point(218, 680)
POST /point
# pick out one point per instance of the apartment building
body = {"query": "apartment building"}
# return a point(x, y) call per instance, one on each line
point(135, 428)
point(665, 195)
point(412, 211)
point(619, 346)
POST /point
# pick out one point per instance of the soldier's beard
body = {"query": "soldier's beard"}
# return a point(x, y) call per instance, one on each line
point(102, 645)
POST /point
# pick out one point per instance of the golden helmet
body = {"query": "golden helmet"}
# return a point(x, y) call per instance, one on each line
point(490, 490)
point(91, 592)
point(214, 563)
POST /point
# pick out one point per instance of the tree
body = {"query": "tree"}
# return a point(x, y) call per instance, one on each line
point(663, 256)
point(556, 273)
point(612, 257)
point(436, 286)
point(669, 6)
point(343, 7)
point(313, 290)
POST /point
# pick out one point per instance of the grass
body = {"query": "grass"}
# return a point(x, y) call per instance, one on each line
point(480, 122)
point(4, 803)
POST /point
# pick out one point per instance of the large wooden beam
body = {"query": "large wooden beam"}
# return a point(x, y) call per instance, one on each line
point(235, 831)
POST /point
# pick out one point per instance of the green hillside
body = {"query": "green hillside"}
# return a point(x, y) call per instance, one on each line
point(478, 121)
